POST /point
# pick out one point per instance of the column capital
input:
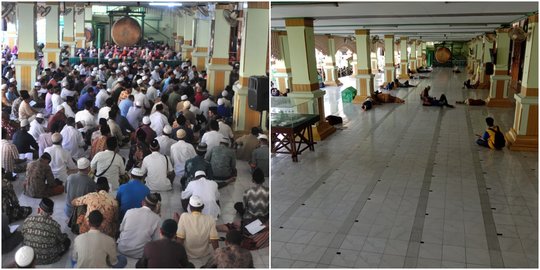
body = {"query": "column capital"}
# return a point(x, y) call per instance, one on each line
point(259, 5)
point(282, 33)
point(533, 18)
point(308, 22)
point(503, 30)
point(361, 31)
point(389, 36)
point(404, 38)
point(329, 36)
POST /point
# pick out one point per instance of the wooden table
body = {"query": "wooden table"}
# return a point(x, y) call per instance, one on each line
point(292, 133)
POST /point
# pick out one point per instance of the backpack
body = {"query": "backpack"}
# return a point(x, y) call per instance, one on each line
point(500, 141)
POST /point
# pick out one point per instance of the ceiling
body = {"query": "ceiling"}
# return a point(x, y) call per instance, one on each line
point(429, 21)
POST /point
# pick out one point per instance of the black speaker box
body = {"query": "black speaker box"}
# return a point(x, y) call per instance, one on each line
point(258, 93)
point(489, 68)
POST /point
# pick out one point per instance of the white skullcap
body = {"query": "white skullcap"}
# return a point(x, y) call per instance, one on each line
point(199, 173)
point(12, 80)
point(121, 79)
point(24, 256)
point(39, 77)
point(139, 81)
point(37, 84)
point(144, 78)
point(95, 69)
point(195, 201)
point(224, 93)
point(146, 120)
point(109, 90)
point(220, 101)
point(39, 115)
point(138, 171)
point(118, 71)
point(156, 67)
point(64, 84)
point(262, 137)
point(183, 97)
point(180, 134)
point(3, 87)
point(83, 163)
point(160, 63)
point(151, 82)
point(167, 130)
point(101, 65)
point(126, 69)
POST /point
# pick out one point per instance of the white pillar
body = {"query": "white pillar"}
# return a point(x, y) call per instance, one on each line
point(51, 52)
point(202, 41)
point(26, 64)
point(69, 34)
point(219, 68)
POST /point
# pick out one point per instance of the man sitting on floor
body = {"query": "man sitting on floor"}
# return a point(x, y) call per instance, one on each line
point(40, 181)
point(489, 138)
point(43, 234)
point(165, 252)
point(132, 194)
point(95, 249)
point(206, 190)
point(232, 255)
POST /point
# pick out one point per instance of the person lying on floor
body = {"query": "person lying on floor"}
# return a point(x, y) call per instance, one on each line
point(432, 101)
point(472, 102)
point(388, 86)
point(405, 84)
point(379, 97)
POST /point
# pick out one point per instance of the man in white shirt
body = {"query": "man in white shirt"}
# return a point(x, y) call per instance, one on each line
point(140, 226)
point(86, 117)
point(141, 97)
point(56, 100)
point(101, 97)
point(104, 111)
point(161, 166)
point(158, 120)
point(206, 190)
point(37, 126)
point(61, 160)
point(225, 129)
point(212, 138)
point(135, 114)
point(226, 102)
point(109, 164)
point(66, 92)
point(181, 152)
point(72, 139)
point(68, 105)
point(152, 92)
point(165, 141)
point(206, 104)
point(155, 74)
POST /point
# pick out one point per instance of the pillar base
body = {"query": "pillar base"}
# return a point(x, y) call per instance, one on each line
point(284, 81)
point(404, 76)
point(218, 77)
point(25, 71)
point(51, 54)
point(187, 50)
point(199, 60)
point(322, 130)
point(333, 83)
point(499, 102)
point(521, 142)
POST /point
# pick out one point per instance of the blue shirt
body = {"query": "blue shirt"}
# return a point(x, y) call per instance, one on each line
point(83, 99)
point(131, 195)
point(124, 106)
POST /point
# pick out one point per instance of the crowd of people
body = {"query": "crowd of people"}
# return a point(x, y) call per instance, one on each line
point(65, 135)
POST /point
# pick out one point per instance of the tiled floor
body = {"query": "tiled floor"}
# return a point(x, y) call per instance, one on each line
point(404, 185)
point(170, 204)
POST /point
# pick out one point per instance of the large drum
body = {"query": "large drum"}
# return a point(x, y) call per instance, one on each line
point(443, 54)
point(126, 32)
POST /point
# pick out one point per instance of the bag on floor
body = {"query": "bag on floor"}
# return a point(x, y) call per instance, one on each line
point(334, 120)
point(500, 141)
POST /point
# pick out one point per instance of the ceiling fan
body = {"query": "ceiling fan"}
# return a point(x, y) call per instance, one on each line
point(517, 33)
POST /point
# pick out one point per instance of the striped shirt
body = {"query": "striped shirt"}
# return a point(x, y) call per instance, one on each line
point(256, 200)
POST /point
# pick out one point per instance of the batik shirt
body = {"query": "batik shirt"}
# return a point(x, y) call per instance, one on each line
point(43, 234)
point(256, 200)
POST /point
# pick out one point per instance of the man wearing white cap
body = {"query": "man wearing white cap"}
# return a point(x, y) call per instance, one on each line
point(86, 117)
point(259, 156)
point(151, 92)
point(25, 257)
point(161, 169)
point(155, 74)
point(67, 92)
point(112, 79)
point(79, 184)
point(197, 231)
point(206, 190)
point(61, 161)
point(225, 97)
point(135, 114)
point(181, 152)
point(131, 194)
point(37, 126)
point(165, 141)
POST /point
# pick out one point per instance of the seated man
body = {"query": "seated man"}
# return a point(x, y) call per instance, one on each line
point(197, 163)
point(43, 234)
point(61, 160)
point(24, 141)
point(223, 162)
point(246, 144)
point(95, 249)
point(140, 226)
point(197, 231)
point(232, 255)
point(165, 252)
point(489, 139)
point(79, 184)
point(10, 203)
point(259, 156)
point(132, 194)
point(468, 84)
point(10, 157)
point(102, 201)
point(432, 101)
point(159, 177)
point(206, 190)
point(256, 202)
point(10, 240)
point(40, 181)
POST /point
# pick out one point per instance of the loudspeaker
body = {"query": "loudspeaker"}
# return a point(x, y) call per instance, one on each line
point(489, 69)
point(258, 93)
